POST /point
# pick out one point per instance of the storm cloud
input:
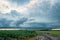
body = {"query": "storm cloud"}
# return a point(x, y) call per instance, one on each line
point(28, 12)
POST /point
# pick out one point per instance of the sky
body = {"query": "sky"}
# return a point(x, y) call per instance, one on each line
point(27, 11)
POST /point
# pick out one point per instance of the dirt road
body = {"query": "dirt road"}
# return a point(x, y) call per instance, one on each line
point(45, 36)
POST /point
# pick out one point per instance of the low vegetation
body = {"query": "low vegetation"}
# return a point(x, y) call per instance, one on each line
point(51, 32)
point(54, 33)
point(23, 34)
point(16, 34)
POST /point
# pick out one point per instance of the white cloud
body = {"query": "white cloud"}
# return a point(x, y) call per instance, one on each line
point(38, 9)
point(34, 6)
point(3, 6)
point(52, 2)
point(6, 6)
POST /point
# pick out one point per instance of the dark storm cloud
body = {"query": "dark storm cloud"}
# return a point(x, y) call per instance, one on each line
point(9, 19)
point(55, 12)
point(4, 23)
point(43, 15)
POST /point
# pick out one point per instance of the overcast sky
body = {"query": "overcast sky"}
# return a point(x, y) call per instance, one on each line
point(36, 10)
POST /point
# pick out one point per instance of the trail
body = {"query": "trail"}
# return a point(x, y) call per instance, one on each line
point(45, 36)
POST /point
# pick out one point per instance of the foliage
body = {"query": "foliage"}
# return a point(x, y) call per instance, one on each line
point(17, 34)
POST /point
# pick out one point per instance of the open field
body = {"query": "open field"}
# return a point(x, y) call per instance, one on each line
point(55, 33)
point(16, 34)
point(52, 32)
point(25, 34)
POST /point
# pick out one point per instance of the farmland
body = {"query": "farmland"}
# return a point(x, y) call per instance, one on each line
point(16, 34)
point(24, 34)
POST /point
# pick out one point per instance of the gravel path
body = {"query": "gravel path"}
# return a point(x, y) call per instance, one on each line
point(46, 36)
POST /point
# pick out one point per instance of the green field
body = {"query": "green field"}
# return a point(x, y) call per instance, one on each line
point(16, 34)
point(54, 33)
point(23, 34)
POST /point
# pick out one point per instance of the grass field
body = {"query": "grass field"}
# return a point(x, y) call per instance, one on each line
point(55, 33)
point(23, 34)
